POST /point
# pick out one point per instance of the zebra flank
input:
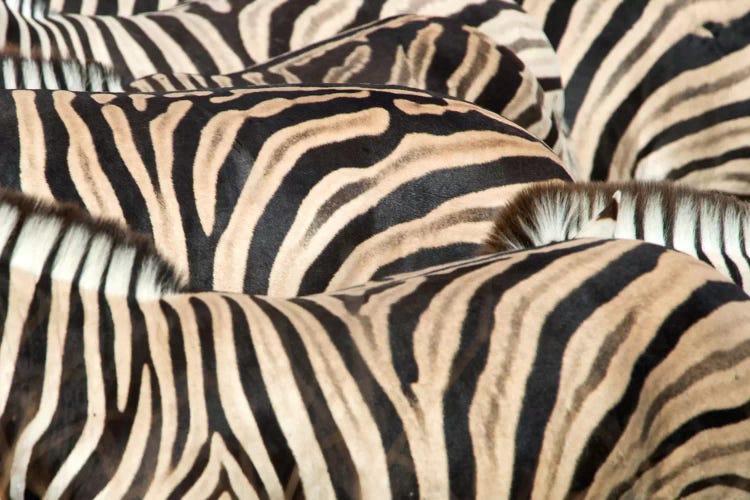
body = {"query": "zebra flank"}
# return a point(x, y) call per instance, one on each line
point(474, 378)
point(282, 190)
point(428, 53)
point(711, 226)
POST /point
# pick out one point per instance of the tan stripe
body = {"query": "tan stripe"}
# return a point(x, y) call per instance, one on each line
point(235, 405)
point(287, 402)
point(323, 19)
point(255, 17)
point(592, 379)
point(23, 448)
point(467, 219)
point(416, 156)
point(218, 139)
point(163, 207)
point(220, 459)
point(121, 481)
point(158, 346)
point(355, 62)
point(279, 154)
point(480, 63)
point(345, 401)
point(95, 394)
point(123, 337)
point(701, 397)
point(87, 174)
point(33, 150)
point(410, 69)
point(619, 73)
point(518, 319)
point(20, 292)
point(198, 433)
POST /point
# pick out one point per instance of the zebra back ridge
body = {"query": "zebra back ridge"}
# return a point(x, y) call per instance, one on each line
point(711, 226)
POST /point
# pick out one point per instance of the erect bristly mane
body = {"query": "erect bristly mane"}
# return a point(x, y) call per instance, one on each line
point(64, 241)
point(659, 212)
point(20, 71)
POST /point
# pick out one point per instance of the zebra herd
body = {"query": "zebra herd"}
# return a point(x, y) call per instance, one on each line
point(344, 248)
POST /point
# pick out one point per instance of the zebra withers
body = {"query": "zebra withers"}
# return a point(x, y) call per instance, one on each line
point(278, 190)
point(474, 378)
point(711, 226)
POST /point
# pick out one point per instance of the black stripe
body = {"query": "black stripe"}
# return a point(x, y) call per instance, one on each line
point(341, 469)
point(690, 52)
point(217, 422)
point(621, 20)
point(401, 469)
point(734, 481)
point(420, 196)
point(700, 304)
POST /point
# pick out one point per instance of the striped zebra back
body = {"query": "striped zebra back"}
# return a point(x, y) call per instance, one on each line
point(475, 378)
point(655, 89)
point(227, 36)
point(435, 54)
point(277, 190)
point(711, 226)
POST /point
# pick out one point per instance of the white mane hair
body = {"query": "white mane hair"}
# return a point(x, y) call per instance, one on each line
point(709, 225)
point(68, 244)
point(34, 72)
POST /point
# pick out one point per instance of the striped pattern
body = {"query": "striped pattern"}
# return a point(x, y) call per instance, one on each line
point(655, 89)
point(18, 72)
point(711, 226)
point(222, 37)
point(428, 53)
point(277, 190)
point(107, 7)
point(473, 379)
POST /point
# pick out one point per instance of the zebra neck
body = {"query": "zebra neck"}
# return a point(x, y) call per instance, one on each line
point(65, 244)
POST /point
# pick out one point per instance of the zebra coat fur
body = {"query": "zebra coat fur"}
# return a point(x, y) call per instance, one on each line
point(474, 378)
point(282, 190)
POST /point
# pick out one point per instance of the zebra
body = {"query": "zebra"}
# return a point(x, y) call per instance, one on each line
point(429, 53)
point(711, 226)
point(472, 378)
point(432, 54)
point(277, 190)
point(214, 37)
point(655, 89)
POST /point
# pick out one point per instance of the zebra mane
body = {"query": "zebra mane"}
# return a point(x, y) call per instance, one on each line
point(22, 71)
point(63, 241)
point(550, 212)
